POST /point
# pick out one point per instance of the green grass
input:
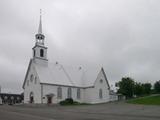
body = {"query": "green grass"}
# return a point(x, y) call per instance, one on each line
point(149, 100)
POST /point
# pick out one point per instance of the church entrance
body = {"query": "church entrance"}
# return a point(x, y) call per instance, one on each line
point(49, 101)
point(31, 97)
point(50, 98)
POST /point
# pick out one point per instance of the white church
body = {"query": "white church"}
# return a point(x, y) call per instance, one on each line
point(50, 83)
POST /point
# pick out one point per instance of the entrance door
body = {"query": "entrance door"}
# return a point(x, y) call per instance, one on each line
point(49, 100)
point(31, 97)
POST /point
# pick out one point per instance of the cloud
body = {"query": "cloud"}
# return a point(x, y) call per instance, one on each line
point(122, 36)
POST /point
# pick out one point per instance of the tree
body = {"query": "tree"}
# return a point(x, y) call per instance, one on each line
point(146, 88)
point(126, 87)
point(138, 89)
point(157, 86)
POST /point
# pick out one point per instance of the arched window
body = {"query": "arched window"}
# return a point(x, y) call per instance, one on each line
point(34, 53)
point(69, 93)
point(59, 92)
point(35, 80)
point(101, 81)
point(27, 82)
point(41, 52)
point(78, 93)
point(100, 93)
point(31, 78)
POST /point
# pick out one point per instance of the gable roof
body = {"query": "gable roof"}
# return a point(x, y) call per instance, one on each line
point(30, 62)
point(105, 77)
point(83, 77)
point(53, 74)
point(57, 74)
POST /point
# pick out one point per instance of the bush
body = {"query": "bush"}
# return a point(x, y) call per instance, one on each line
point(68, 101)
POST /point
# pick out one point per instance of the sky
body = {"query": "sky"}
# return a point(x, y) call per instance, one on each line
point(122, 36)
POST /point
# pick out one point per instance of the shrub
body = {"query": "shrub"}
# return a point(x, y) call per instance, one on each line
point(68, 101)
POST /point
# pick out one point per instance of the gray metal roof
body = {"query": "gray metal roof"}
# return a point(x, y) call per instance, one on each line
point(66, 75)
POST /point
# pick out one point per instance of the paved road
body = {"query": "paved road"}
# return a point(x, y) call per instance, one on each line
point(110, 111)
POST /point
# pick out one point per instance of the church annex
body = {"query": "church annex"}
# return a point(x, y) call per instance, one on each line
point(47, 82)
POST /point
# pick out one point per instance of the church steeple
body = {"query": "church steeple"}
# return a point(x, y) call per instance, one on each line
point(40, 23)
point(39, 36)
point(39, 50)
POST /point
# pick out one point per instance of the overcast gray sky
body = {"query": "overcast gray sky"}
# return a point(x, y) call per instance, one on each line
point(123, 36)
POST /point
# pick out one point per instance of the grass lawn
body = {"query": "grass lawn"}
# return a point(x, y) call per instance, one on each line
point(149, 100)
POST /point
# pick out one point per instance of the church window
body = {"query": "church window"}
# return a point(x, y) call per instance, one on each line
point(27, 82)
point(69, 93)
point(41, 52)
point(34, 53)
point(41, 37)
point(35, 81)
point(100, 93)
point(59, 92)
point(31, 78)
point(78, 93)
point(101, 81)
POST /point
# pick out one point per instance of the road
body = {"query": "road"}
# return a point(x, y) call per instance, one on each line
point(110, 111)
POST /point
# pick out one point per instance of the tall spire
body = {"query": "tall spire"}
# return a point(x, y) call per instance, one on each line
point(40, 23)
point(40, 50)
point(39, 36)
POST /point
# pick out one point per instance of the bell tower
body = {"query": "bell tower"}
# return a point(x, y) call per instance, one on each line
point(39, 50)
